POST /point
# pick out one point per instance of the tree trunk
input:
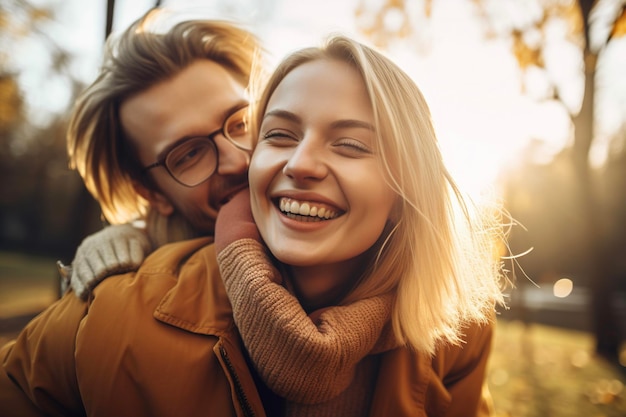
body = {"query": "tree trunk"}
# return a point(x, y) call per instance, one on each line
point(598, 268)
point(109, 22)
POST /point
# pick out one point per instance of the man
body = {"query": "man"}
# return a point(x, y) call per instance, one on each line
point(157, 98)
point(160, 136)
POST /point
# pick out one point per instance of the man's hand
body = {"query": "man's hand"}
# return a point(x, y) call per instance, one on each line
point(113, 250)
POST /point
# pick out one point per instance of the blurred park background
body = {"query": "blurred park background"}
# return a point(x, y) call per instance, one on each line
point(529, 101)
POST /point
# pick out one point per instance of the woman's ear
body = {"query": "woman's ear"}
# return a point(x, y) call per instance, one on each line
point(157, 200)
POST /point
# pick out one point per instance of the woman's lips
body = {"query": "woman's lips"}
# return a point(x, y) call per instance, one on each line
point(307, 210)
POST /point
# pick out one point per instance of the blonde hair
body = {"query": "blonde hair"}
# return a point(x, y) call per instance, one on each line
point(440, 259)
point(138, 59)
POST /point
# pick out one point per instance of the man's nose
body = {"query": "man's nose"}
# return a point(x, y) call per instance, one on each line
point(232, 160)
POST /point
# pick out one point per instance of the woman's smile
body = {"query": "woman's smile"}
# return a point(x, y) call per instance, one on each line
point(318, 194)
point(307, 211)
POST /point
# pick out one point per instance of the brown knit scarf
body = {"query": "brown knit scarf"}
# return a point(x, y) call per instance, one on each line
point(309, 360)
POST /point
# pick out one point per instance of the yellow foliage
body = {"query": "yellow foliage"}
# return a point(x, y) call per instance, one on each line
point(619, 28)
point(4, 20)
point(571, 13)
point(37, 14)
point(387, 22)
point(10, 103)
point(525, 55)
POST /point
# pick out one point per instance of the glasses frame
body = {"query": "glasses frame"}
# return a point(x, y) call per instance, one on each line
point(210, 138)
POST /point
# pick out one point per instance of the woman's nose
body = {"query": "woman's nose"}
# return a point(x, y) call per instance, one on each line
point(306, 162)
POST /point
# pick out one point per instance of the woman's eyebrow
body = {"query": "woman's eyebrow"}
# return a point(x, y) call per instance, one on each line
point(352, 123)
point(283, 114)
point(338, 124)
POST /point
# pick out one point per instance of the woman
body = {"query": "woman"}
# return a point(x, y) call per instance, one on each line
point(378, 296)
point(388, 285)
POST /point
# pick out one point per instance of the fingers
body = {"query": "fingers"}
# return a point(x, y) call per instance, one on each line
point(113, 250)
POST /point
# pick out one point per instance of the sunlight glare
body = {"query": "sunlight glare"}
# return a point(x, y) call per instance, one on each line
point(483, 118)
point(563, 287)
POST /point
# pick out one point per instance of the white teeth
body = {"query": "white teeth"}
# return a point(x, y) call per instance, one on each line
point(309, 210)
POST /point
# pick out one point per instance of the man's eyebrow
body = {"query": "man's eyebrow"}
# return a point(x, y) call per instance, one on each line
point(163, 154)
point(239, 105)
point(339, 124)
point(232, 109)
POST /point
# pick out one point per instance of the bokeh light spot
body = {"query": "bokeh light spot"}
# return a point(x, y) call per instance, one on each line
point(563, 287)
point(580, 358)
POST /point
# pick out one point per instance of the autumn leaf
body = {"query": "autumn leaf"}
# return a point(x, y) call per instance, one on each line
point(526, 56)
point(10, 103)
point(619, 28)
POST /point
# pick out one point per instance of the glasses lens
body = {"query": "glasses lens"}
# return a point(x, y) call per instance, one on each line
point(193, 161)
point(237, 128)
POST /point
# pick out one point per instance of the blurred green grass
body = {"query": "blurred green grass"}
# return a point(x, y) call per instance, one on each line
point(28, 283)
point(534, 370)
point(543, 371)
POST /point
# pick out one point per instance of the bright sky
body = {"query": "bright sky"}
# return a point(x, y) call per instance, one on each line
point(472, 85)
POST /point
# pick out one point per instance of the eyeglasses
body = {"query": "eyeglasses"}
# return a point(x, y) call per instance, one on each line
point(193, 160)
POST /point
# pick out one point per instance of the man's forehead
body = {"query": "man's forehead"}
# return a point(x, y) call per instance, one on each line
point(194, 102)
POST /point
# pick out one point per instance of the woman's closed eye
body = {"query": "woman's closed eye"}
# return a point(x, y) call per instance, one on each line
point(352, 147)
point(280, 137)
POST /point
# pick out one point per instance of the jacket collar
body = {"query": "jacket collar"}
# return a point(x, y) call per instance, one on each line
point(197, 302)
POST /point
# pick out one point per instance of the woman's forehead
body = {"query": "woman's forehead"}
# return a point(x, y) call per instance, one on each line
point(322, 85)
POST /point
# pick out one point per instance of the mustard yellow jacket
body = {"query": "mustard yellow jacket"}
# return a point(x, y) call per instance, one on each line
point(161, 342)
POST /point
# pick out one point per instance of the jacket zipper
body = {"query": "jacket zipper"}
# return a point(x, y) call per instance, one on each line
point(243, 399)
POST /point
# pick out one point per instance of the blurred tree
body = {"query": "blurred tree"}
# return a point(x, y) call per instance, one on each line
point(11, 104)
point(44, 208)
point(385, 21)
point(530, 49)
